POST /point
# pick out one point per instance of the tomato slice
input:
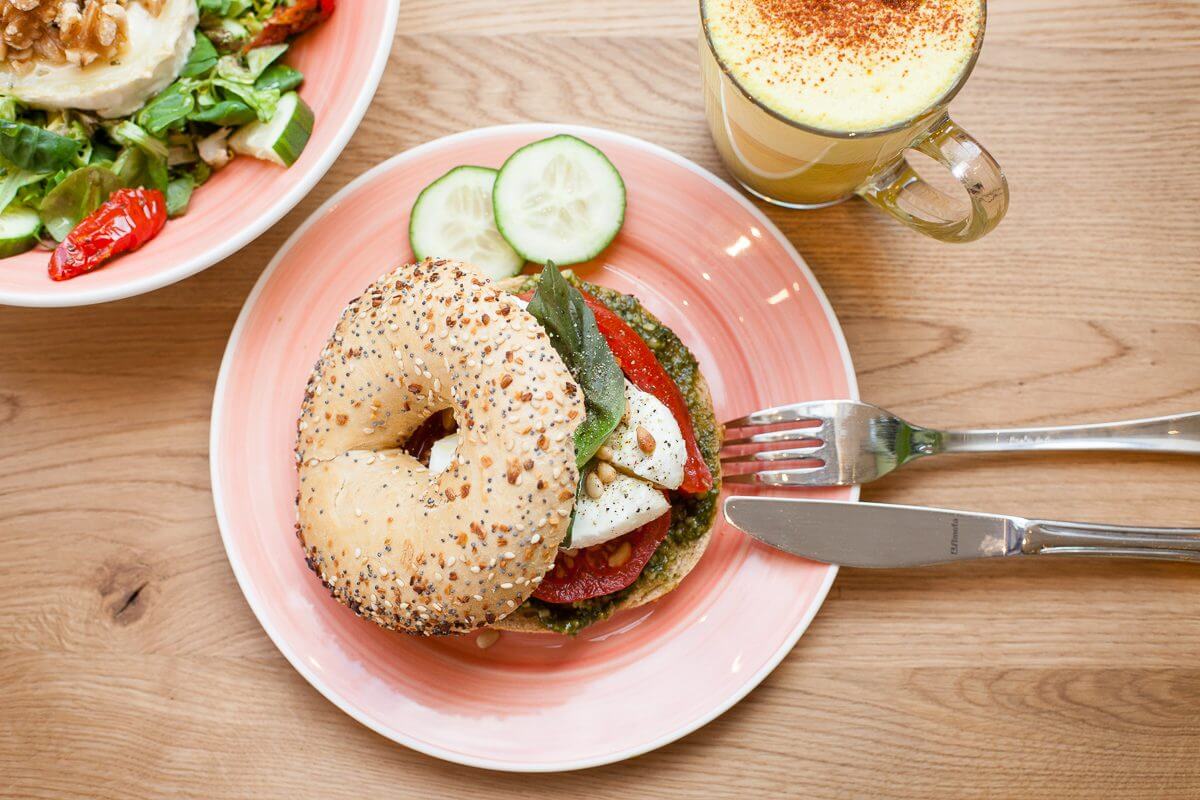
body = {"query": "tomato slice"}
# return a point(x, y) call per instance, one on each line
point(644, 371)
point(604, 568)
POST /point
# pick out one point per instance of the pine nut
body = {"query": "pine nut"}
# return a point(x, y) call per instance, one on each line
point(605, 472)
point(620, 556)
point(645, 440)
point(594, 485)
point(605, 453)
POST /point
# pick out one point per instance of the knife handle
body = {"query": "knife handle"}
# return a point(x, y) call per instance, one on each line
point(1043, 537)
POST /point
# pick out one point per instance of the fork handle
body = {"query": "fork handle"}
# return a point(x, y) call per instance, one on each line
point(1042, 537)
point(1175, 434)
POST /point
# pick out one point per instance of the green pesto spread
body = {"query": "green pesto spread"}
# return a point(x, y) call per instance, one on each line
point(691, 516)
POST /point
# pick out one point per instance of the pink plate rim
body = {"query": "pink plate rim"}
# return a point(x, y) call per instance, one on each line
point(66, 296)
point(215, 457)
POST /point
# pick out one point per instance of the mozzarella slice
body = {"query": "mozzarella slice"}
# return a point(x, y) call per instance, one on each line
point(625, 505)
point(663, 465)
point(442, 453)
point(156, 48)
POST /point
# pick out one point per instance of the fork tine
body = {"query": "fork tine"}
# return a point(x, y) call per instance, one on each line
point(811, 476)
point(771, 437)
point(794, 412)
point(789, 454)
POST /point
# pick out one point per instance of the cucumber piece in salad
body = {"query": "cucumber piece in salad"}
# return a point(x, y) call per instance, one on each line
point(452, 218)
point(282, 139)
point(559, 200)
point(18, 230)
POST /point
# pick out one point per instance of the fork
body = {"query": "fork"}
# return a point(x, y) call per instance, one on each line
point(845, 442)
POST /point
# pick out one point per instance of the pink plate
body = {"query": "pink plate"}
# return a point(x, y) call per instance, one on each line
point(714, 269)
point(342, 62)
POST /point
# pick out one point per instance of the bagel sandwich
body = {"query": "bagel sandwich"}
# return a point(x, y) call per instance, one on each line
point(531, 455)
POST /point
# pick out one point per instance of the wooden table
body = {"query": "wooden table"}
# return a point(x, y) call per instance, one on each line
point(131, 667)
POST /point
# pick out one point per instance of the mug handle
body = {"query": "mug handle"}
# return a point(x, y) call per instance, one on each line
point(899, 191)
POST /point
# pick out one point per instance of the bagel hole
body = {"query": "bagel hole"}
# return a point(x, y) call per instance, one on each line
point(437, 425)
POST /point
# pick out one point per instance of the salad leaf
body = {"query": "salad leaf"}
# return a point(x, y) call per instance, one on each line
point(575, 336)
point(263, 101)
point(103, 152)
point(36, 149)
point(8, 108)
point(131, 135)
point(247, 69)
point(228, 34)
point(226, 113)
point(202, 58)
point(217, 8)
point(279, 77)
point(12, 182)
point(179, 194)
point(136, 167)
point(79, 194)
point(167, 109)
point(259, 58)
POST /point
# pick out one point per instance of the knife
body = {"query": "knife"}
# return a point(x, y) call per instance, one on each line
point(880, 536)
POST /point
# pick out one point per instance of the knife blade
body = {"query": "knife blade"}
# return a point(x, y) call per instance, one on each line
point(874, 535)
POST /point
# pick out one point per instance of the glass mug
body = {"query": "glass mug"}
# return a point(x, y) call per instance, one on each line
point(798, 166)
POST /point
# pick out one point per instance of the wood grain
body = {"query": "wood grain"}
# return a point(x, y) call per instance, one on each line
point(130, 666)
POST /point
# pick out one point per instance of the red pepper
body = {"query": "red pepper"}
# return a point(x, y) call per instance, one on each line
point(644, 371)
point(288, 21)
point(126, 221)
point(595, 571)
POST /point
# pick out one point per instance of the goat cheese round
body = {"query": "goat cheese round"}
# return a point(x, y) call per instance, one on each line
point(155, 50)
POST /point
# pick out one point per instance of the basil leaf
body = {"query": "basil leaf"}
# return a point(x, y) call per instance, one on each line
point(227, 113)
point(36, 149)
point(202, 58)
point(279, 77)
point(564, 314)
point(79, 194)
point(179, 194)
point(135, 167)
point(167, 109)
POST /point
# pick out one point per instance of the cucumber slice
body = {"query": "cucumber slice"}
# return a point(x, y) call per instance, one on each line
point(19, 228)
point(281, 140)
point(559, 200)
point(452, 218)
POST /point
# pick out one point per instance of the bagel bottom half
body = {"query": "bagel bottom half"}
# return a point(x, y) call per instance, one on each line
point(692, 518)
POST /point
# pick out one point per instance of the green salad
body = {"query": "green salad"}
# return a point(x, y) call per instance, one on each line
point(231, 96)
